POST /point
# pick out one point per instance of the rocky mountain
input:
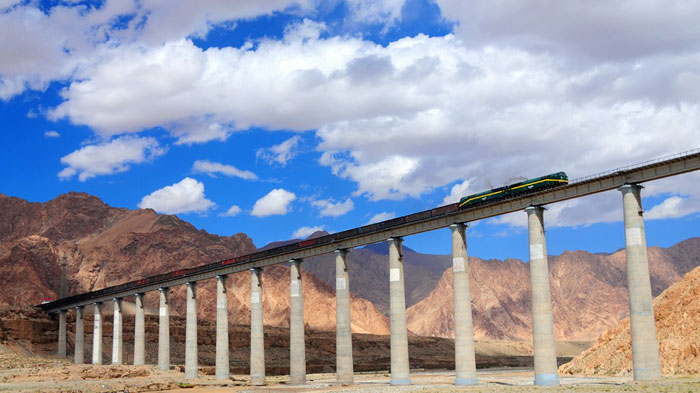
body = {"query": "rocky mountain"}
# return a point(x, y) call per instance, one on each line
point(106, 246)
point(588, 293)
point(368, 268)
point(677, 316)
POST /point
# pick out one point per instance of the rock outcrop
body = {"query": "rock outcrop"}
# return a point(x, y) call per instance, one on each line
point(677, 317)
point(588, 291)
point(106, 246)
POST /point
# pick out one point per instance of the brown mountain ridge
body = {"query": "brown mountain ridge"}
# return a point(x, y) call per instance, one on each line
point(588, 292)
point(106, 246)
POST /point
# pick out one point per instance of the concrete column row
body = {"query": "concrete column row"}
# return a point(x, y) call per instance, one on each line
point(644, 342)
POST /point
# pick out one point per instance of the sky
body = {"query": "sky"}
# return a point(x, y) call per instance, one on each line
point(279, 118)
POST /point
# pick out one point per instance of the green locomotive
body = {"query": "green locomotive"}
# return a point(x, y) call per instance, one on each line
point(538, 183)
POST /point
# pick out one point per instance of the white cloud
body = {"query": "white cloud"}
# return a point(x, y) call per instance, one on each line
point(458, 191)
point(233, 211)
point(276, 202)
point(330, 208)
point(41, 46)
point(379, 217)
point(281, 153)
point(673, 207)
point(111, 157)
point(520, 89)
point(184, 197)
point(597, 31)
point(212, 168)
point(51, 134)
point(375, 11)
point(304, 232)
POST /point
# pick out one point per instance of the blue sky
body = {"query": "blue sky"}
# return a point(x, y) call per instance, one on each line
point(281, 117)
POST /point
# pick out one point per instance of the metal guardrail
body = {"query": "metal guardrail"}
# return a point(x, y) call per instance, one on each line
point(634, 166)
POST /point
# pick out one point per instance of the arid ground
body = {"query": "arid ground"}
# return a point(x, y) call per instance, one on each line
point(49, 374)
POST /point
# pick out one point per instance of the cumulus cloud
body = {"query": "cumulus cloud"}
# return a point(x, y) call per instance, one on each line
point(375, 11)
point(185, 196)
point(51, 134)
point(673, 207)
point(232, 211)
point(458, 191)
point(212, 168)
point(598, 31)
point(41, 45)
point(276, 202)
point(330, 208)
point(519, 90)
point(281, 153)
point(379, 217)
point(110, 157)
point(304, 232)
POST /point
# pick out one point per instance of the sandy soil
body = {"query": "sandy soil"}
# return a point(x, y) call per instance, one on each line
point(19, 373)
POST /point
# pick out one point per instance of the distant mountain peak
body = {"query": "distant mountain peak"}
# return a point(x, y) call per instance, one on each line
point(383, 248)
point(317, 234)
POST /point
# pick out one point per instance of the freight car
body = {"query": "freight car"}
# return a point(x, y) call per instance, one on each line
point(527, 186)
point(531, 185)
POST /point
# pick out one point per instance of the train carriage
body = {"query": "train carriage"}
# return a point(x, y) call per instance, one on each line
point(543, 182)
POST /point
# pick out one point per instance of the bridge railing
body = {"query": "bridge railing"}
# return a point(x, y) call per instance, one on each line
point(634, 166)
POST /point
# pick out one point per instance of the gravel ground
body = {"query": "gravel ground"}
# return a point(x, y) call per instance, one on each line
point(30, 374)
point(492, 380)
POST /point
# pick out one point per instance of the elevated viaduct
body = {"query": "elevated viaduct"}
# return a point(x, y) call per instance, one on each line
point(628, 180)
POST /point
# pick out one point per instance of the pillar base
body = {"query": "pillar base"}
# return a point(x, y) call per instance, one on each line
point(344, 382)
point(466, 381)
point(257, 381)
point(402, 381)
point(298, 381)
point(546, 380)
point(646, 374)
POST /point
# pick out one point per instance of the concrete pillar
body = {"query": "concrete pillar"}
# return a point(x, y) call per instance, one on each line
point(465, 360)
point(164, 330)
point(545, 355)
point(117, 337)
point(645, 347)
point(297, 350)
point(343, 332)
point(257, 343)
point(97, 335)
point(223, 367)
point(397, 313)
point(62, 333)
point(191, 332)
point(79, 353)
point(139, 332)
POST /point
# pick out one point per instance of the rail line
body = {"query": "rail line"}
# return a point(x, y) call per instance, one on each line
point(401, 226)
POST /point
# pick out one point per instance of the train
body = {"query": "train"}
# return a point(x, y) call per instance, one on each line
point(527, 186)
point(523, 187)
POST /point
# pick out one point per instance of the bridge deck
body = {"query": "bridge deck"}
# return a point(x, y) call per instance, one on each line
point(402, 226)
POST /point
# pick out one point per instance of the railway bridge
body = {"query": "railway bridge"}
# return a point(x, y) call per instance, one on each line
point(627, 180)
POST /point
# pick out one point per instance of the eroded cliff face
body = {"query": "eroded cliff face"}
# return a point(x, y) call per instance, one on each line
point(677, 317)
point(588, 292)
point(106, 246)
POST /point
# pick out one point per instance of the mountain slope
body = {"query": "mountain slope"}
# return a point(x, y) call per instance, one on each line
point(106, 246)
point(368, 268)
point(588, 294)
point(677, 316)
